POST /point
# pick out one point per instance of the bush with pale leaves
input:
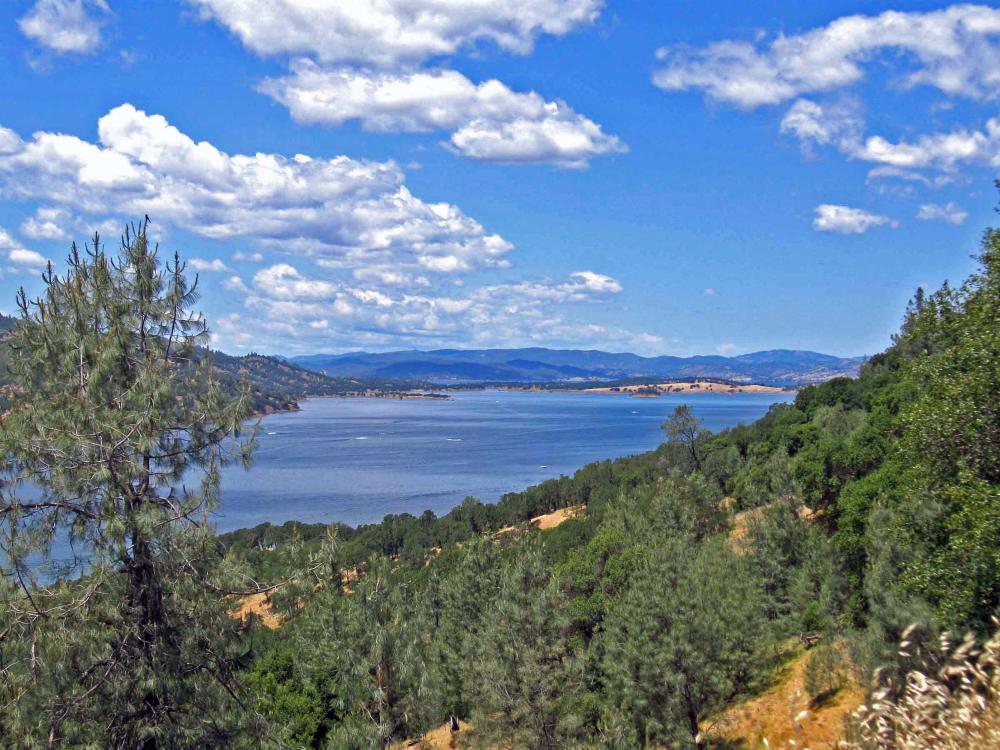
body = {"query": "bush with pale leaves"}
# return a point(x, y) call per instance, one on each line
point(953, 707)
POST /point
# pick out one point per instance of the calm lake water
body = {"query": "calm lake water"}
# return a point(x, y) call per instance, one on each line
point(357, 459)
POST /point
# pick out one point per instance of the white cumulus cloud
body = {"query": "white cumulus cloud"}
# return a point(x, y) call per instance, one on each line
point(955, 50)
point(847, 220)
point(47, 224)
point(841, 127)
point(18, 254)
point(944, 151)
point(811, 122)
point(393, 32)
point(297, 310)
point(204, 265)
point(354, 213)
point(66, 26)
point(487, 121)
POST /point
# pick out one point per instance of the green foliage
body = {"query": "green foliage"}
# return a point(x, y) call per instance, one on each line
point(525, 677)
point(112, 410)
point(596, 575)
point(827, 671)
point(872, 503)
point(686, 437)
point(362, 646)
point(679, 644)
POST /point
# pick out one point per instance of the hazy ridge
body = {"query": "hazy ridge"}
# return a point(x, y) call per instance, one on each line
point(784, 367)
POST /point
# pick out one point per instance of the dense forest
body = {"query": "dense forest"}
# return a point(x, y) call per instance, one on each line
point(865, 513)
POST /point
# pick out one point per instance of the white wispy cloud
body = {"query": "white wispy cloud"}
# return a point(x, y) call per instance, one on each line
point(212, 266)
point(18, 254)
point(393, 32)
point(954, 50)
point(353, 213)
point(487, 121)
point(944, 151)
point(816, 124)
point(300, 311)
point(248, 257)
point(950, 212)
point(846, 220)
point(66, 26)
point(813, 123)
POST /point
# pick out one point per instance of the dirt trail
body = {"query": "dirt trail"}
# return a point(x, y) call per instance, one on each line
point(773, 715)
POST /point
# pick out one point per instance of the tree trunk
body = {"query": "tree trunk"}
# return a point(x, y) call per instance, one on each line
point(693, 728)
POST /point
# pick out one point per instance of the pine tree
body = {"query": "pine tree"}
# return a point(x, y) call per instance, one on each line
point(363, 643)
point(684, 432)
point(525, 674)
point(679, 644)
point(113, 445)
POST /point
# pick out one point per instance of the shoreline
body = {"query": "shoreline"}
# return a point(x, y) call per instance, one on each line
point(633, 390)
point(696, 386)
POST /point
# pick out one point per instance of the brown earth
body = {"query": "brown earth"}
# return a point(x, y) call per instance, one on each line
point(258, 604)
point(547, 520)
point(441, 738)
point(739, 529)
point(691, 386)
point(785, 714)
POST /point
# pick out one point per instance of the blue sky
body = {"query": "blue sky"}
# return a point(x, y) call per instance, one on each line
point(660, 177)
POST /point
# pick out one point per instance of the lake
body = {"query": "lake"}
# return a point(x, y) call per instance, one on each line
point(355, 460)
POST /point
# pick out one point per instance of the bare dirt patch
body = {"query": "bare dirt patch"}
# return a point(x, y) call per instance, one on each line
point(777, 715)
point(441, 738)
point(257, 604)
point(547, 520)
point(651, 390)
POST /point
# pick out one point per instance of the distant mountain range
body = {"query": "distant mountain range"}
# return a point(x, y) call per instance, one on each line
point(782, 367)
point(275, 384)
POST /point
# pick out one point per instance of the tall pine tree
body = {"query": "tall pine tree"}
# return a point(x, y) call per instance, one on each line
point(112, 447)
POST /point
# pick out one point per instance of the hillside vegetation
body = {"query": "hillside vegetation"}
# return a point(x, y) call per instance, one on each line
point(863, 514)
point(866, 507)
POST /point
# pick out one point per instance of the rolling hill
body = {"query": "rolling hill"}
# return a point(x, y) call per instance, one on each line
point(782, 367)
point(275, 384)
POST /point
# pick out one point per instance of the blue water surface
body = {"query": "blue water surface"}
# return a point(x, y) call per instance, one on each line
point(355, 460)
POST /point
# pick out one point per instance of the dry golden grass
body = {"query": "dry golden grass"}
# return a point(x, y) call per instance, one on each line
point(547, 520)
point(441, 738)
point(688, 386)
point(556, 517)
point(784, 714)
point(953, 706)
point(258, 604)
